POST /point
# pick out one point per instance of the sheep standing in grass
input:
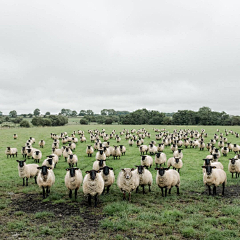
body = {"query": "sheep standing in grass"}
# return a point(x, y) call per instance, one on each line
point(24, 152)
point(108, 177)
point(106, 151)
point(167, 178)
point(130, 142)
point(178, 153)
point(57, 151)
point(27, 171)
point(160, 158)
point(99, 164)
point(73, 180)
point(215, 177)
point(49, 163)
point(122, 149)
point(45, 179)
point(11, 152)
point(72, 159)
point(93, 185)
point(37, 155)
point(224, 151)
point(89, 150)
point(41, 143)
point(116, 152)
point(152, 149)
point(147, 161)
point(160, 147)
point(145, 178)
point(209, 163)
point(175, 162)
point(236, 148)
point(234, 166)
point(15, 136)
point(127, 181)
point(66, 152)
point(143, 149)
point(100, 155)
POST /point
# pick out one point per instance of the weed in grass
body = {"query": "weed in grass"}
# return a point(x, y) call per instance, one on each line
point(44, 215)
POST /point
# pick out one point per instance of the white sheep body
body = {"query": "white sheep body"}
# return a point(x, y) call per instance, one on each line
point(108, 179)
point(73, 182)
point(96, 165)
point(93, 187)
point(148, 161)
point(217, 177)
point(170, 179)
point(127, 185)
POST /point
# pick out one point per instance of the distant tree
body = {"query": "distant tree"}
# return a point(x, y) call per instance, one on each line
point(36, 112)
point(167, 121)
point(100, 119)
point(111, 112)
point(13, 114)
point(66, 112)
point(82, 113)
point(83, 121)
point(24, 115)
point(37, 121)
point(74, 113)
point(235, 120)
point(90, 112)
point(205, 115)
point(25, 123)
point(30, 115)
point(108, 121)
point(47, 114)
point(104, 112)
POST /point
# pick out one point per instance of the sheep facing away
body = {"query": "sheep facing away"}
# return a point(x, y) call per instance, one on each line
point(145, 178)
point(127, 181)
point(167, 178)
point(45, 179)
point(93, 185)
point(215, 177)
point(27, 171)
point(73, 180)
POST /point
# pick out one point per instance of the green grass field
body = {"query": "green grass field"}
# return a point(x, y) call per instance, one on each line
point(192, 215)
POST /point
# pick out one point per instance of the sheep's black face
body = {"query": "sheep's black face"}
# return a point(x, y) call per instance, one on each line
point(29, 150)
point(207, 161)
point(37, 153)
point(100, 163)
point(89, 147)
point(158, 154)
point(50, 161)
point(44, 170)
point(161, 171)
point(140, 169)
point(177, 160)
point(105, 170)
point(93, 174)
point(71, 156)
point(72, 172)
point(209, 170)
point(233, 161)
point(101, 152)
point(143, 158)
point(21, 163)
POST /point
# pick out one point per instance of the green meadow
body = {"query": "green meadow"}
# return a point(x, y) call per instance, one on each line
point(191, 215)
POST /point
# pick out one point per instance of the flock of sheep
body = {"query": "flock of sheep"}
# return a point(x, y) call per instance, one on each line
point(100, 178)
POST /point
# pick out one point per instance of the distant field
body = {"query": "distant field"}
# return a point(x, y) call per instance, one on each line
point(192, 215)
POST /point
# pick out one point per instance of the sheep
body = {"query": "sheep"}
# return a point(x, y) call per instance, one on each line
point(93, 185)
point(73, 180)
point(89, 150)
point(160, 158)
point(178, 153)
point(66, 152)
point(72, 159)
point(220, 144)
point(24, 152)
point(122, 149)
point(27, 171)
point(49, 162)
point(127, 181)
point(83, 139)
point(57, 151)
point(11, 152)
point(174, 147)
point(147, 161)
point(32, 140)
point(217, 152)
point(106, 151)
point(15, 136)
point(145, 178)
point(118, 139)
point(143, 149)
point(72, 146)
point(116, 152)
point(210, 163)
point(98, 164)
point(37, 155)
point(167, 178)
point(41, 143)
point(100, 155)
point(230, 146)
point(225, 151)
point(215, 177)
point(108, 177)
point(55, 145)
point(175, 162)
point(152, 149)
point(45, 179)
point(236, 148)
point(234, 166)
point(201, 145)
point(160, 147)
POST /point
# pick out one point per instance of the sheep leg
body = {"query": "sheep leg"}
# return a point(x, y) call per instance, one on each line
point(23, 181)
point(236, 174)
point(70, 193)
point(169, 191)
point(89, 200)
point(162, 191)
point(214, 190)
point(232, 175)
point(223, 187)
point(143, 189)
point(35, 179)
point(75, 194)
point(95, 205)
point(165, 191)
point(124, 195)
point(129, 197)
point(177, 190)
point(65, 159)
point(43, 192)
point(103, 191)
point(149, 188)
point(179, 170)
point(108, 189)
point(137, 189)
point(26, 181)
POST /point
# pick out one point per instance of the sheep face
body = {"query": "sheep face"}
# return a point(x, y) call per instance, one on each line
point(161, 171)
point(101, 162)
point(207, 161)
point(21, 163)
point(106, 170)
point(177, 160)
point(101, 152)
point(208, 169)
point(158, 154)
point(92, 174)
point(144, 157)
point(233, 160)
point(140, 169)
point(72, 171)
point(127, 173)
point(44, 170)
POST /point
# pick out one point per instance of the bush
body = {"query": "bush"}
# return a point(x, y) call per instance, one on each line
point(83, 121)
point(25, 123)
point(108, 121)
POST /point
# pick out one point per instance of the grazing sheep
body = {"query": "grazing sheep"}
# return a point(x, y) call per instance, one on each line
point(55, 145)
point(57, 151)
point(54, 158)
point(49, 162)
point(27, 171)
point(15, 136)
point(160, 158)
point(11, 152)
point(225, 151)
point(174, 147)
point(41, 143)
point(215, 177)
point(89, 150)
point(160, 147)
point(236, 148)
point(208, 162)
point(100, 155)
point(145, 178)
point(83, 139)
point(234, 166)
point(99, 164)
point(167, 178)
point(116, 152)
point(37, 155)
point(108, 177)
point(122, 149)
point(147, 161)
point(73, 180)
point(152, 149)
point(143, 149)
point(72, 146)
point(24, 152)
point(45, 179)
point(175, 162)
point(127, 181)
point(201, 145)
point(72, 159)
point(230, 146)
point(186, 143)
point(66, 152)
point(93, 185)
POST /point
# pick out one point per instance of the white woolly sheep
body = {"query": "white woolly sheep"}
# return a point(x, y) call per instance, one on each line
point(24, 152)
point(174, 147)
point(106, 151)
point(11, 152)
point(152, 149)
point(89, 150)
point(122, 149)
point(73, 180)
point(93, 185)
point(210, 163)
point(37, 155)
point(27, 171)
point(147, 161)
point(234, 166)
point(160, 158)
point(100, 155)
point(201, 145)
point(160, 147)
point(41, 143)
point(116, 152)
point(215, 177)
point(108, 177)
point(143, 149)
point(175, 162)
point(49, 162)
point(83, 139)
point(145, 178)
point(72, 146)
point(178, 153)
point(57, 151)
point(99, 164)
point(236, 148)
point(66, 152)
point(225, 151)
point(45, 179)
point(15, 136)
point(55, 145)
point(72, 159)
point(127, 181)
point(167, 178)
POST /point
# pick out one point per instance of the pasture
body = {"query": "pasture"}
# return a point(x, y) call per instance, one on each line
point(193, 214)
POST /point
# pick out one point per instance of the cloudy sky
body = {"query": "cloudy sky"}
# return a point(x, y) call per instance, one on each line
point(126, 55)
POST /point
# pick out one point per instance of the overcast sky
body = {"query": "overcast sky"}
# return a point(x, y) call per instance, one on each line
point(125, 55)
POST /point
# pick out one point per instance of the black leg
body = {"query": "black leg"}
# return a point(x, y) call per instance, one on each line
point(89, 200)
point(23, 181)
point(43, 192)
point(95, 201)
point(70, 193)
point(209, 190)
point(75, 194)
point(232, 175)
point(165, 191)
point(129, 197)
point(108, 189)
point(177, 190)
point(103, 191)
point(143, 189)
point(26, 181)
point(223, 187)
point(169, 191)
point(137, 189)
point(35, 179)
point(162, 191)
point(214, 190)
point(124, 195)
point(149, 188)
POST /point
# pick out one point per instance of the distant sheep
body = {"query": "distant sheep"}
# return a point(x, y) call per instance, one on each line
point(11, 152)
point(41, 143)
point(147, 161)
point(99, 164)
point(72, 159)
point(234, 166)
point(160, 158)
point(89, 150)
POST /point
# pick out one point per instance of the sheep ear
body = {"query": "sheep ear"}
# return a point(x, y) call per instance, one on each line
point(17, 160)
point(123, 170)
point(67, 169)
point(132, 169)
point(87, 172)
point(101, 168)
point(203, 166)
point(39, 167)
point(111, 168)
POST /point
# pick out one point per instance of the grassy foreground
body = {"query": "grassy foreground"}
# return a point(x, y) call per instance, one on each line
point(193, 214)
